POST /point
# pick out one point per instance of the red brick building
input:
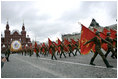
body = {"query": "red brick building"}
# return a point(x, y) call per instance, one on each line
point(9, 37)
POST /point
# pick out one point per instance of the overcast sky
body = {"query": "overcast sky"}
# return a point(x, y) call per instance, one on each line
point(45, 19)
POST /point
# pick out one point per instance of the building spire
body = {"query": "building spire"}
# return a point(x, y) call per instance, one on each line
point(23, 27)
point(7, 25)
point(7, 21)
point(23, 22)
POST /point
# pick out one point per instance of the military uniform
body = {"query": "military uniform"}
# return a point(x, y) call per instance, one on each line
point(25, 50)
point(22, 51)
point(110, 48)
point(53, 51)
point(115, 44)
point(62, 50)
point(98, 42)
point(77, 49)
point(30, 52)
point(37, 53)
point(7, 54)
point(70, 50)
point(45, 51)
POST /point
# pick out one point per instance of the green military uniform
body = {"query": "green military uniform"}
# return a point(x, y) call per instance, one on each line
point(97, 42)
point(25, 50)
point(70, 50)
point(110, 48)
point(53, 51)
point(22, 51)
point(115, 40)
point(7, 54)
point(41, 50)
point(62, 50)
point(115, 44)
point(30, 52)
point(45, 50)
point(77, 49)
point(37, 53)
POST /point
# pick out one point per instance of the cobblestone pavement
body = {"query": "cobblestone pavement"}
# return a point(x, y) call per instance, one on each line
point(70, 67)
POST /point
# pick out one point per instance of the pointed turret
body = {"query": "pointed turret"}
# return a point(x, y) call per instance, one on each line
point(94, 23)
point(7, 26)
point(23, 27)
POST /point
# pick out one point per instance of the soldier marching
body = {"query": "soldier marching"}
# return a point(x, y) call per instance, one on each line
point(69, 49)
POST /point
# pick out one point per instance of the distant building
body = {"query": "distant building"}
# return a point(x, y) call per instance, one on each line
point(9, 37)
point(92, 25)
point(114, 26)
point(74, 36)
point(100, 28)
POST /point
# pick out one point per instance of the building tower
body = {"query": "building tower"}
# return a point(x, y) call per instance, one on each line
point(23, 35)
point(7, 34)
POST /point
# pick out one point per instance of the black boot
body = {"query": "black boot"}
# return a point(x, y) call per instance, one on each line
point(7, 59)
point(116, 56)
point(91, 62)
point(107, 64)
point(105, 55)
point(112, 57)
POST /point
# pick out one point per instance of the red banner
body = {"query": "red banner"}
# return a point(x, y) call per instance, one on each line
point(86, 35)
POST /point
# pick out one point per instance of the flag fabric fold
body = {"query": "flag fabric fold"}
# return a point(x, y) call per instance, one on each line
point(35, 46)
point(86, 35)
point(113, 32)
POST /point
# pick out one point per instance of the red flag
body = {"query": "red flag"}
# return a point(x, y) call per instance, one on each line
point(113, 32)
point(43, 46)
point(35, 50)
point(35, 45)
point(102, 35)
point(113, 35)
point(59, 42)
point(56, 46)
point(73, 47)
point(49, 42)
point(93, 48)
point(104, 45)
point(73, 41)
point(105, 31)
point(66, 49)
point(86, 35)
point(94, 30)
point(66, 42)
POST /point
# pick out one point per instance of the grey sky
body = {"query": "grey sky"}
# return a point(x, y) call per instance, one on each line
point(45, 19)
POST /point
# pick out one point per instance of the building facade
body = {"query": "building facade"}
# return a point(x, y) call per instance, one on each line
point(9, 37)
point(74, 36)
point(92, 25)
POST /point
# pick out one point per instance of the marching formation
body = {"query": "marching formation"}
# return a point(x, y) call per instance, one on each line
point(89, 41)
